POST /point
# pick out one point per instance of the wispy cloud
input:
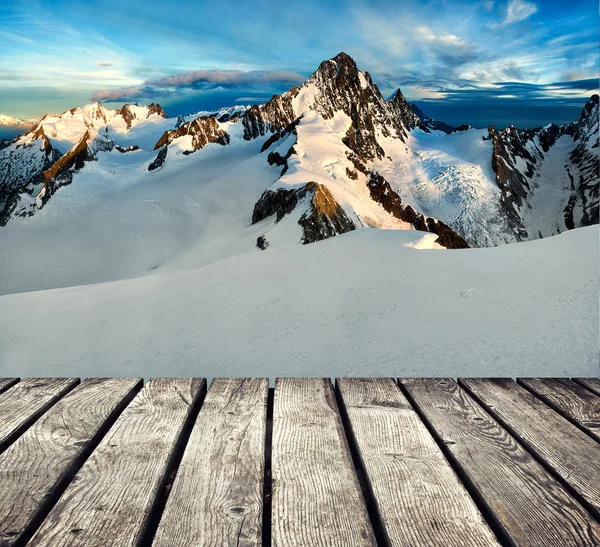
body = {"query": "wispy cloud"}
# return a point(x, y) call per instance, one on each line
point(519, 10)
point(198, 79)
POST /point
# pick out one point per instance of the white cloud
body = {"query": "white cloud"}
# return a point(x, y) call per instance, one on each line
point(519, 10)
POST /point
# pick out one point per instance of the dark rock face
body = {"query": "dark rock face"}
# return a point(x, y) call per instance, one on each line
point(512, 183)
point(203, 130)
point(160, 159)
point(382, 193)
point(430, 123)
point(128, 115)
point(262, 243)
point(586, 158)
point(461, 128)
point(275, 158)
point(530, 147)
point(549, 135)
point(125, 149)
point(323, 218)
point(254, 124)
point(405, 112)
point(274, 116)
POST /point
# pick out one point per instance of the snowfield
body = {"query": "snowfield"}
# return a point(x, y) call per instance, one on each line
point(364, 303)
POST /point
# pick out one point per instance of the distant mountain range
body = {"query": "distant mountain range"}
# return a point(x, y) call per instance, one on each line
point(8, 121)
point(11, 127)
point(326, 157)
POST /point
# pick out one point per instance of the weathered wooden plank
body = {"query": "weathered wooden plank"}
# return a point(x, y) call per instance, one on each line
point(527, 505)
point(316, 496)
point(39, 464)
point(419, 498)
point(26, 401)
point(5, 383)
point(570, 400)
point(216, 498)
point(111, 497)
point(593, 384)
point(563, 448)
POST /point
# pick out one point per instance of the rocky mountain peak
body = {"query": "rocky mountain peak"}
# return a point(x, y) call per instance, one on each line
point(403, 112)
point(155, 108)
point(341, 68)
point(588, 119)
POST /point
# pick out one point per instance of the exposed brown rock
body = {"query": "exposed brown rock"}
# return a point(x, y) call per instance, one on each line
point(127, 115)
point(60, 173)
point(323, 218)
point(155, 108)
point(204, 130)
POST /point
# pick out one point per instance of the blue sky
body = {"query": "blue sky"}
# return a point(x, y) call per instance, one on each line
point(485, 61)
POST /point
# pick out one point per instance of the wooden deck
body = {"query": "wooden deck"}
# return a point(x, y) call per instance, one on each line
point(364, 462)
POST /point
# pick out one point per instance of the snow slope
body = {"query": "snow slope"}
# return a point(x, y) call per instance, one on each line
point(363, 303)
point(117, 220)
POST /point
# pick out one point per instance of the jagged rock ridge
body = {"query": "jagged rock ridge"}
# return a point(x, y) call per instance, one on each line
point(519, 159)
point(430, 123)
point(382, 192)
point(203, 130)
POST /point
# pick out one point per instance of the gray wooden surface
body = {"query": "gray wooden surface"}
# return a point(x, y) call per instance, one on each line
point(39, 461)
point(113, 494)
point(570, 399)
point(563, 448)
point(5, 383)
point(105, 464)
point(593, 384)
point(418, 495)
point(528, 505)
point(217, 496)
point(23, 403)
point(317, 500)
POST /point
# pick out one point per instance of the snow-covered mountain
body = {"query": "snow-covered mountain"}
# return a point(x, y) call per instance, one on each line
point(173, 242)
point(430, 123)
point(11, 127)
point(328, 156)
point(549, 177)
point(9, 121)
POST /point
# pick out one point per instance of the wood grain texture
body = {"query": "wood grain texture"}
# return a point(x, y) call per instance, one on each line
point(316, 497)
point(216, 498)
point(527, 505)
point(109, 500)
point(419, 497)
point(35, 466)
point(5, 383)
point(593, 384)
point(26, 401)
point(569, 399)
point(564, 448)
